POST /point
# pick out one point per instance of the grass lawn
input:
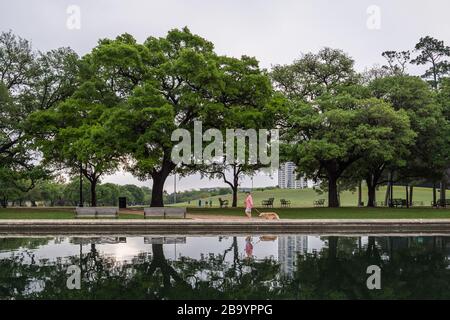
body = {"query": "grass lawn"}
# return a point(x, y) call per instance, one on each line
point(48, 213)
point(335, 213)
point(306, 197)
point(285, 213)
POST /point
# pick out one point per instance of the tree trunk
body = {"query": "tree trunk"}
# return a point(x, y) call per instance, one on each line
point(333, 200)
point(391, 189)
point(375, 197)
point(160, 261)
point(359, 194)
point(159, 178)
point(434, 194)
point(81, 203)
point(371, 191)
point(407, 196)
point(4, 202)
point(332, 247)
point(94, 192)
point(235, 251)
point(235, 188)
point(372, 182)
point(157, 191)
point(235, 192)
point(386, 196)
point(443, 187)
point(411, 188)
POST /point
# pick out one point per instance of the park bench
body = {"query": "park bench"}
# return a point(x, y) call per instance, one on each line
point(154, 212)
point(223, 203)
point(398, 203)
point(85, 212)
point(417, 203)
point(98, 240)
point(106, 212)
point(441, 203)
point(97, 212)
point(268, 203)
point(285, 203)
point(165, 212)
point(319, 203)
point(175, 212)
point(164, 240)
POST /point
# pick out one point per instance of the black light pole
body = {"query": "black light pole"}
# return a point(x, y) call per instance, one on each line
point(81, 185)
point(175, 188)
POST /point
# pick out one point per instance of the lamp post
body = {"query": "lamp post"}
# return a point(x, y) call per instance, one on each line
point(175, 188)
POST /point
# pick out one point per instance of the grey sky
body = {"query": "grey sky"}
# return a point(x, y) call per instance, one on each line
point(273, 31)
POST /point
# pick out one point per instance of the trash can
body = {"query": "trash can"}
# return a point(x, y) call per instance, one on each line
point(122, 202)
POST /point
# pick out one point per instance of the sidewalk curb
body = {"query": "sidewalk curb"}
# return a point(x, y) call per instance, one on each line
point(335, 226)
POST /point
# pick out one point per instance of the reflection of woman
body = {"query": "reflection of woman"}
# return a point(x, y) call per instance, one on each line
point(249, 247)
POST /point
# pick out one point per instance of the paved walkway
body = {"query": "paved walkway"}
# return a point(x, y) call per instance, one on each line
point(219, 217)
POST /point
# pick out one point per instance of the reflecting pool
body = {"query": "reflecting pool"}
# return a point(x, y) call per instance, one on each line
point(225, 267)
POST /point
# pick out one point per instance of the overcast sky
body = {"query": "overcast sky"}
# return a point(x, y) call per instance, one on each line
point(274, 31)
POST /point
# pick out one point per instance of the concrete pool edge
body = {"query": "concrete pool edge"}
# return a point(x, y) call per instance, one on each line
point(307, 226)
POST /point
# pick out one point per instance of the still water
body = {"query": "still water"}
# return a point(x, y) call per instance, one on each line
point(224, 267)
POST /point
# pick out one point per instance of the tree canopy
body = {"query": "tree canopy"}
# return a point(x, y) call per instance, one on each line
point(117, 107)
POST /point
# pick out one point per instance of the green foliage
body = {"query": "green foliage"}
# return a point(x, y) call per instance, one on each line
point(397, 61)
point(30, 81)
point(117, 106)
point(435, 53)
point(339, 123)
point(70, 134)
point(315, 74)
point(168, 83)
point(342, 136)
point(411, 94)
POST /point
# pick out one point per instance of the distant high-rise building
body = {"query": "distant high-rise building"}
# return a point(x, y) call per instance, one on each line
point(287, 177)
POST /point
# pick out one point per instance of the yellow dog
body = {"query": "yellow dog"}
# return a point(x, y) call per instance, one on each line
point(269, 215)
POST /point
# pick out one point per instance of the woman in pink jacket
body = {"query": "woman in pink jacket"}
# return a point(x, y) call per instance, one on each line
point(248, 205)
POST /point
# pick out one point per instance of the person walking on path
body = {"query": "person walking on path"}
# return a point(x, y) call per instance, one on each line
point(248, 205)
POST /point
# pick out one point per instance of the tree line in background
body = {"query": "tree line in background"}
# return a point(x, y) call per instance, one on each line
point(49, 193)
point(117, 106)
point(55, 194)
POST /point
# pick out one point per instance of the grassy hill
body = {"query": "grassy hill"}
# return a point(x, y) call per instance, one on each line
point(306, 197)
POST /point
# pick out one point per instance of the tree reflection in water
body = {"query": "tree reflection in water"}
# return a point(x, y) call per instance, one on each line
point(411, 267)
